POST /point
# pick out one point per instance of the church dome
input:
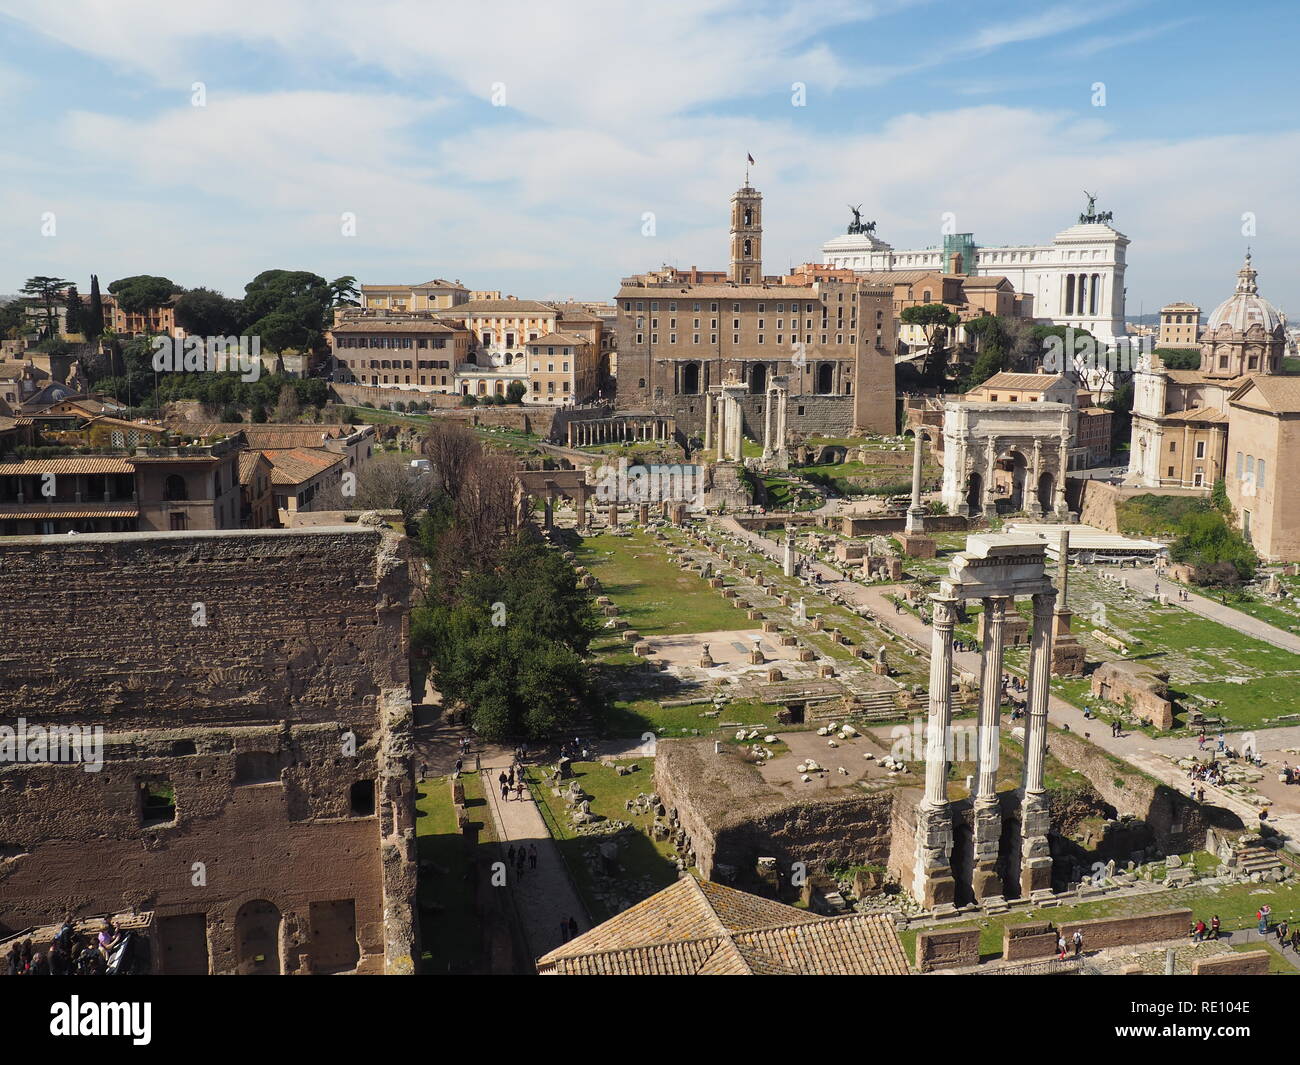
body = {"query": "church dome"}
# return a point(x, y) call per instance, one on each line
point(1246, 307)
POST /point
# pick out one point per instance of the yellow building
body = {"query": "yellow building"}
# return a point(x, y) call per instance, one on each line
point(1180, 326)
point(562, 368)
point(435, 295)
point(1264, 438)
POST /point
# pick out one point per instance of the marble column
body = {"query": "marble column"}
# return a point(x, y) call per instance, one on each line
point(985, 879)
point(767, 425)
point(990, 467)
point(932, 880)
point(1062, 507)
point(548, 512)
point(916, 513)
point(1035, 815)
point(708, 422)
point(788, 562)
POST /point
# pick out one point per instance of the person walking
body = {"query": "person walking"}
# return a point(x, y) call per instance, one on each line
point(1078, 943)
point(1214, 927)
point(532, 855)
point(1060, 945)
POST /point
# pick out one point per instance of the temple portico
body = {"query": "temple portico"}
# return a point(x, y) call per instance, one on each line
point(995, 568)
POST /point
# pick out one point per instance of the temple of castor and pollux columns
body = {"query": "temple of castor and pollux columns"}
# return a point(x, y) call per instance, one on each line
point(995, 568)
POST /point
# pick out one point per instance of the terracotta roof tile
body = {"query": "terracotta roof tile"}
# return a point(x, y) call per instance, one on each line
point(68, 465)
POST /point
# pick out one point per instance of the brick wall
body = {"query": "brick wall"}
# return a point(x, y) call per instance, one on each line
point(1033, 941)
point(1245, 963)
point(281, 727)
point(947, 950)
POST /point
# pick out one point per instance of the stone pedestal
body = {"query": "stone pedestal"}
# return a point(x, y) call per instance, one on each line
point(1068, 655)
point(985, 879)
point(917, 545)
point(932, 880)
point(1035, 854)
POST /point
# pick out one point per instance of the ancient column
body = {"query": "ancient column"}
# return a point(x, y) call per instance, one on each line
point(1035, 818)
point(932, 881)
point(988, 819)
point(990, 494)
point(613, 513)
point(916, 513)
point(1063, 508)
point(708, 422)
point(548, 512)
point(1035, 507)
point(767, 425)
point(788, 563)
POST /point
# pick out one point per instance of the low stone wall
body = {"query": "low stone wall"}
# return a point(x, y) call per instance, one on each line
point(957, 949)
point(1245, 963)
point(1036, 940)
point(1039, 940)
point(883, 526)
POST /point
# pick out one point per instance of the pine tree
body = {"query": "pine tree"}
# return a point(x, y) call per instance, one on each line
point(93, 325)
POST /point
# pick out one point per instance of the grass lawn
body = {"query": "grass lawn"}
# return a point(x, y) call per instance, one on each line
point(449, 919)
point(652, 591)
point(1198, 653)
point(644, 864)
point(637, 717)
point(1277, 964)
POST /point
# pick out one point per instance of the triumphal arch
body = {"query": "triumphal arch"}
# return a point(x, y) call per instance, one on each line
point(996, 568)
point(1006, 457)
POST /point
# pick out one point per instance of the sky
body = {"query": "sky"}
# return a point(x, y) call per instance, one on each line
point(548, 150)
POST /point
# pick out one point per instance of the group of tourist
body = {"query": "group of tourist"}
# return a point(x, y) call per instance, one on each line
point(1199, 931)
point(518, 858)
point(575, 750)
point(1209, 773)
point(568, 929)
point(75, 953)
point(1063, 947)
point(512, 779)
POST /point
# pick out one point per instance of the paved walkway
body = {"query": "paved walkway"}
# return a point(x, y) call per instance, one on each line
point(1145, 580)
point(543, 896)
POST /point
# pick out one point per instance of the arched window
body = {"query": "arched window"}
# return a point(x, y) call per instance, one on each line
point(174, 488)
point(691, 379)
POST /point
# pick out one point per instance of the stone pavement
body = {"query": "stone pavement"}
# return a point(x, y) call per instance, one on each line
point(543, 896)
point(1145, 580)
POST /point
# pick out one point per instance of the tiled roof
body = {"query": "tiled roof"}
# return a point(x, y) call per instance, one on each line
point(271, 434)
point(248, 461)
point(1280, 392)
point(1198, 414)
point(528, 307)
point(1037, 382)
point(299, 464)
point(68, 465)
point(557, 338)
point(700, 928)
point(71, 510)
point(389, 325)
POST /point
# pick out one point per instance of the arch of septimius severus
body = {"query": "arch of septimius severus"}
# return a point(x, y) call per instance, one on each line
point(997, 569)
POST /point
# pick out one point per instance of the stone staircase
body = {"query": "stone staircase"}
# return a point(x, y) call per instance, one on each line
point(864, 706)
point(1253, 858)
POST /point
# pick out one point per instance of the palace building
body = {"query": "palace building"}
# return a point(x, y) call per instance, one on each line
point(681, 334)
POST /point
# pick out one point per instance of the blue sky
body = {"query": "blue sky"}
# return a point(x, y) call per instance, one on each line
point(385, 112)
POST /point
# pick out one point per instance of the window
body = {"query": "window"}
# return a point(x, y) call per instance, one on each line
point(157, 801)
point(362, 798)
point(1259, 475)
point(1200, 449)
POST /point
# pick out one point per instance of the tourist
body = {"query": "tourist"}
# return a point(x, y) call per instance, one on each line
point(1262, 915)
point(1078, 943)
point(505, 788)
point(1200, 793)
point(519, 792)
point(1280, 931)
point(532, 856)
point(109, 939)
point(459, 763)
point(1214, 927)
point(510, 855)
point(1060, 945)
point(1199, 932)
point(424, 771)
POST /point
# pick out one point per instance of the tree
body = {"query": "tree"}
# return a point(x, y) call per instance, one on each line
point(46, 291)
point(508, 641)
point(13, 319)
point(94, 318)
point(1208, 541)
point(1179, 358)
point(72, 316)
point(935, 320)
point(288, 309)
point(386, 482)
point(207, 313)
point(515, 392)
point(287, 407)
point(344, 291)
point(140, 292)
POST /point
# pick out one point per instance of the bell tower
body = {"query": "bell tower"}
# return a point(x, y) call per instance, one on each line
point(747, 236)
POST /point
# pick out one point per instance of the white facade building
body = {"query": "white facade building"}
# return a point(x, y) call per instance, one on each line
point(1076, 280)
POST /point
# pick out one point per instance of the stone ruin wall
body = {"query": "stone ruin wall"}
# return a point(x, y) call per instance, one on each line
point(733, 818)
point(246, 718)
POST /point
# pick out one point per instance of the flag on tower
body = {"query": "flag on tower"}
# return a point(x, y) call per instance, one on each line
point(750, 158)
